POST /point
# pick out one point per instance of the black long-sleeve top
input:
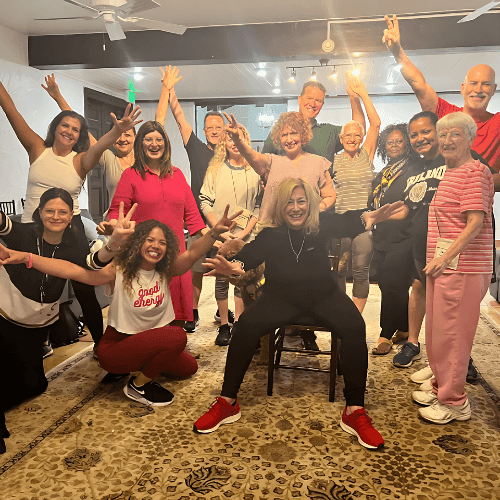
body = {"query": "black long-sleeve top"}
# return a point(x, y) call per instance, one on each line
point(291, 277)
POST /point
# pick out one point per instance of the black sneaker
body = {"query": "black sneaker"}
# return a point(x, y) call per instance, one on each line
point(230, 317)
point(152, 393)
point(471, 372)
point(47, 350)
point(191, 326)
point(223, 335)
point(309, 340)
point(408, 353)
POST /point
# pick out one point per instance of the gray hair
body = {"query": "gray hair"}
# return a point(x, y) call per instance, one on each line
point(315, 84)
point(350, 122)
point(458, 120)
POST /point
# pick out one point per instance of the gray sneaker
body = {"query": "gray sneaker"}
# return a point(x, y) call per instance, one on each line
point(407, 355)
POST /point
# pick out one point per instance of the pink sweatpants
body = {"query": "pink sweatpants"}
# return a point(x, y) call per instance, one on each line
point(453, 306)
point(151, 352)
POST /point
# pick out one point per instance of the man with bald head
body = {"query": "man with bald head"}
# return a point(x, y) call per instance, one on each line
point(477, 89)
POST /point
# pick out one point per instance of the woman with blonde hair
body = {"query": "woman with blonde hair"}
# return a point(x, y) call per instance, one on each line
point(298, 282)
point(230, 181)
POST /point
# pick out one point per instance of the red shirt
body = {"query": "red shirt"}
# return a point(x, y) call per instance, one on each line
point(468, 187)
point(487, 141)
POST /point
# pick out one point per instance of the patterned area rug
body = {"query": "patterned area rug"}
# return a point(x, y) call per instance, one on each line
point(85, 440)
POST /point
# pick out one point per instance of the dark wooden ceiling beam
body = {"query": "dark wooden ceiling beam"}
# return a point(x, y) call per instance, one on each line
point(252, 43)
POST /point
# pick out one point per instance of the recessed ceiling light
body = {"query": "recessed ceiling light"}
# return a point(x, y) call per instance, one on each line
point(276, 91)
point(137, 70)
point(138, 77)
point(390, 87)
point(357, 54)
point(261, 65)
point(262, 72)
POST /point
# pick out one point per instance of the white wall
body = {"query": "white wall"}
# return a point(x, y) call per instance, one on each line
point(13, 46)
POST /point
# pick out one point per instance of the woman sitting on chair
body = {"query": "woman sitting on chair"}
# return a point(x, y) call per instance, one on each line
point(298, 282)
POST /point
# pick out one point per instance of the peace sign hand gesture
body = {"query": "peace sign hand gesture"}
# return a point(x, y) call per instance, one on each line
point(128, 121)
point(392, 37)
point(225, 223)
point(123, 229)
point(233, 127)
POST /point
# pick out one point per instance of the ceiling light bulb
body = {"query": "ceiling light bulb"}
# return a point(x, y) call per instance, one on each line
point(293, 74)
point(333, 75)
point(355, 72)
point(262, 72)
point(276, 91)
point(357, 54)
point(138, 77)
point(314, 76)
point(137, 70)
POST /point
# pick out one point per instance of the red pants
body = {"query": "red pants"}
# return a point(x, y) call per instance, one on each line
point(453, 307)
point(151, 352)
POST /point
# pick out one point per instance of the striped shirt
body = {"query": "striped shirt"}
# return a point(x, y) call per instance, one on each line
point(468, 187)
point(353, 181)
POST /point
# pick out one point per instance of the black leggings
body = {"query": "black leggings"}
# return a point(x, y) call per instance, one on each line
point(85, 294)
point(333, 310)
point(395, 274)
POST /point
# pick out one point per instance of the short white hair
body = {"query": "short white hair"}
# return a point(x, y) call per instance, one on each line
point(458, 120)
point(352, 122)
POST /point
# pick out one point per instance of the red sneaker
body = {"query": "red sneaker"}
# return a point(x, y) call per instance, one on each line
point(359, 424)
point(220, 412)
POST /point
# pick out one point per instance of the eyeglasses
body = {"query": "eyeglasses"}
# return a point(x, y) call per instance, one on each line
point(394, 142)
point(148, 140)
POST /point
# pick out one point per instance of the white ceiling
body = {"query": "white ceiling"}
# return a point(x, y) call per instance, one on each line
point(20, 14)
point(444, 70)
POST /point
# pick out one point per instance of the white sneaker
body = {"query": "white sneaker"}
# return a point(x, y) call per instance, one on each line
point(422, 375)
point(423, 397)
point(442, 414)
point(426, 386)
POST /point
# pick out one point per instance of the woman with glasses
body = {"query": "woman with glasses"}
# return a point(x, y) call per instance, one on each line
point(162, 193)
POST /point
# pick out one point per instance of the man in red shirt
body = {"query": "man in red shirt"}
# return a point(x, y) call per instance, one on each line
point(477, 89)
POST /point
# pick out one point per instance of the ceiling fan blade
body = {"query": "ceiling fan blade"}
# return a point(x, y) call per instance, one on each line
point(156, 25)
point(83, 6)
point(114, 30)
point(87, 18)
point(478, 12)
point(134, 6)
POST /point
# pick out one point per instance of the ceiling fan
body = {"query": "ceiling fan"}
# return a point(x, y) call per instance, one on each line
point(113, 11)
point(478, 12)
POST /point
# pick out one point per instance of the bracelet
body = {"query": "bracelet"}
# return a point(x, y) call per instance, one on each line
point(106, 247)
point(29, 265)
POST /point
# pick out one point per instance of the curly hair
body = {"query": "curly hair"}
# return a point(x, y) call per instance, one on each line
point(221, 154)
point(130, 258)
point(294, 120)
point(139, 155)
point(384, 135)
point(83, 142)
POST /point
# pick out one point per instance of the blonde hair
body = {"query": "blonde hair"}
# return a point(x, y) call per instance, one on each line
point(221, 154)
point(294, 120)
point(282, 197)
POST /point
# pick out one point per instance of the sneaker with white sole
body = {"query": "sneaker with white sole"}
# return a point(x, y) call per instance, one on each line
point(425, 398)
point(47, 350)
point(422, 375)
point(230, 317)
point(220, 412)
point(152, 393)
point(408, 353)
point(439, 413)
point(359, 424)
point(426, 386)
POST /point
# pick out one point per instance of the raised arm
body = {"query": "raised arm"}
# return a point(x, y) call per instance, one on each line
point(426, 95)
point(256, 160)
point(52, 89)
point(31, 141)
point(58, 267)
point(356, 86)
point(357, 109)
point(169, 79)
point(85, 162)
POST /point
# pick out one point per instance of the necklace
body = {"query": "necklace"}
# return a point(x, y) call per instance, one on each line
point(146, 285)
point(297, 255)
point(124, 158)
point(45, 276)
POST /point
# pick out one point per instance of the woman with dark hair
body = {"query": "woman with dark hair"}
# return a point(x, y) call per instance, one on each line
point(391, 240)
point(63, 160)
point(29, 299)
point(140, 336)
point(162, 193)
point(298, 282)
